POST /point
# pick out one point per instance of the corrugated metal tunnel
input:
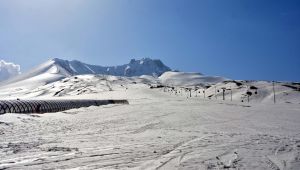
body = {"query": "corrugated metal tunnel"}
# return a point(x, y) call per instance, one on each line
point(46, 106)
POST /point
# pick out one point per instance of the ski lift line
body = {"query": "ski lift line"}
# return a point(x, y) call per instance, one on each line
point(43, 106)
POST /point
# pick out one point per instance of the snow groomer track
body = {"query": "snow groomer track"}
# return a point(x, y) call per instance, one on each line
point(46, 106)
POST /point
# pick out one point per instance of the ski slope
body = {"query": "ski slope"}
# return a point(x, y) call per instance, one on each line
point(157, 130)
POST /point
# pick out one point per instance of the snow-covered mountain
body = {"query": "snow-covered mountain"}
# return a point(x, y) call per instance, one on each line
point(57, 69)
point(145, 66)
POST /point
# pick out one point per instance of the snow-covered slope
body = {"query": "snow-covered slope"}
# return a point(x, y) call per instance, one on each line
point(77, 85)
point(188, 79)
point(238, 91)
point(251, 91)
point(157, 130)
point(87, 84)
point(45, 73)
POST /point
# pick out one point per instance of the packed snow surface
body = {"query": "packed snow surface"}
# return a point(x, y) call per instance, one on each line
point(161, 128)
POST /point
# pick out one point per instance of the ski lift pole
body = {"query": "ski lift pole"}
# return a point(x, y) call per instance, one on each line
point(230, 93)
point(216, 92)
point(274, 92)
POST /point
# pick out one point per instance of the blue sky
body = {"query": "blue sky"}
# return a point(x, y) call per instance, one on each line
point(238, 39)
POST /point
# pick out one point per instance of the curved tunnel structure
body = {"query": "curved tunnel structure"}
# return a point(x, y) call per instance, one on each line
point(46, 106)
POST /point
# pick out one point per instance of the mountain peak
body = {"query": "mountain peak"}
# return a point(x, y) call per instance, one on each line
point(132, 61)
point(145, 66)
point(57, 60)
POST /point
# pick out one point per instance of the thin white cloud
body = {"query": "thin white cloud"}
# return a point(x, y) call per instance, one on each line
point(8, 70)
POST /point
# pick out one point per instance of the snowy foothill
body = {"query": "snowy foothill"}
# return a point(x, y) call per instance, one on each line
point(175, 121)
point(188, 79)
